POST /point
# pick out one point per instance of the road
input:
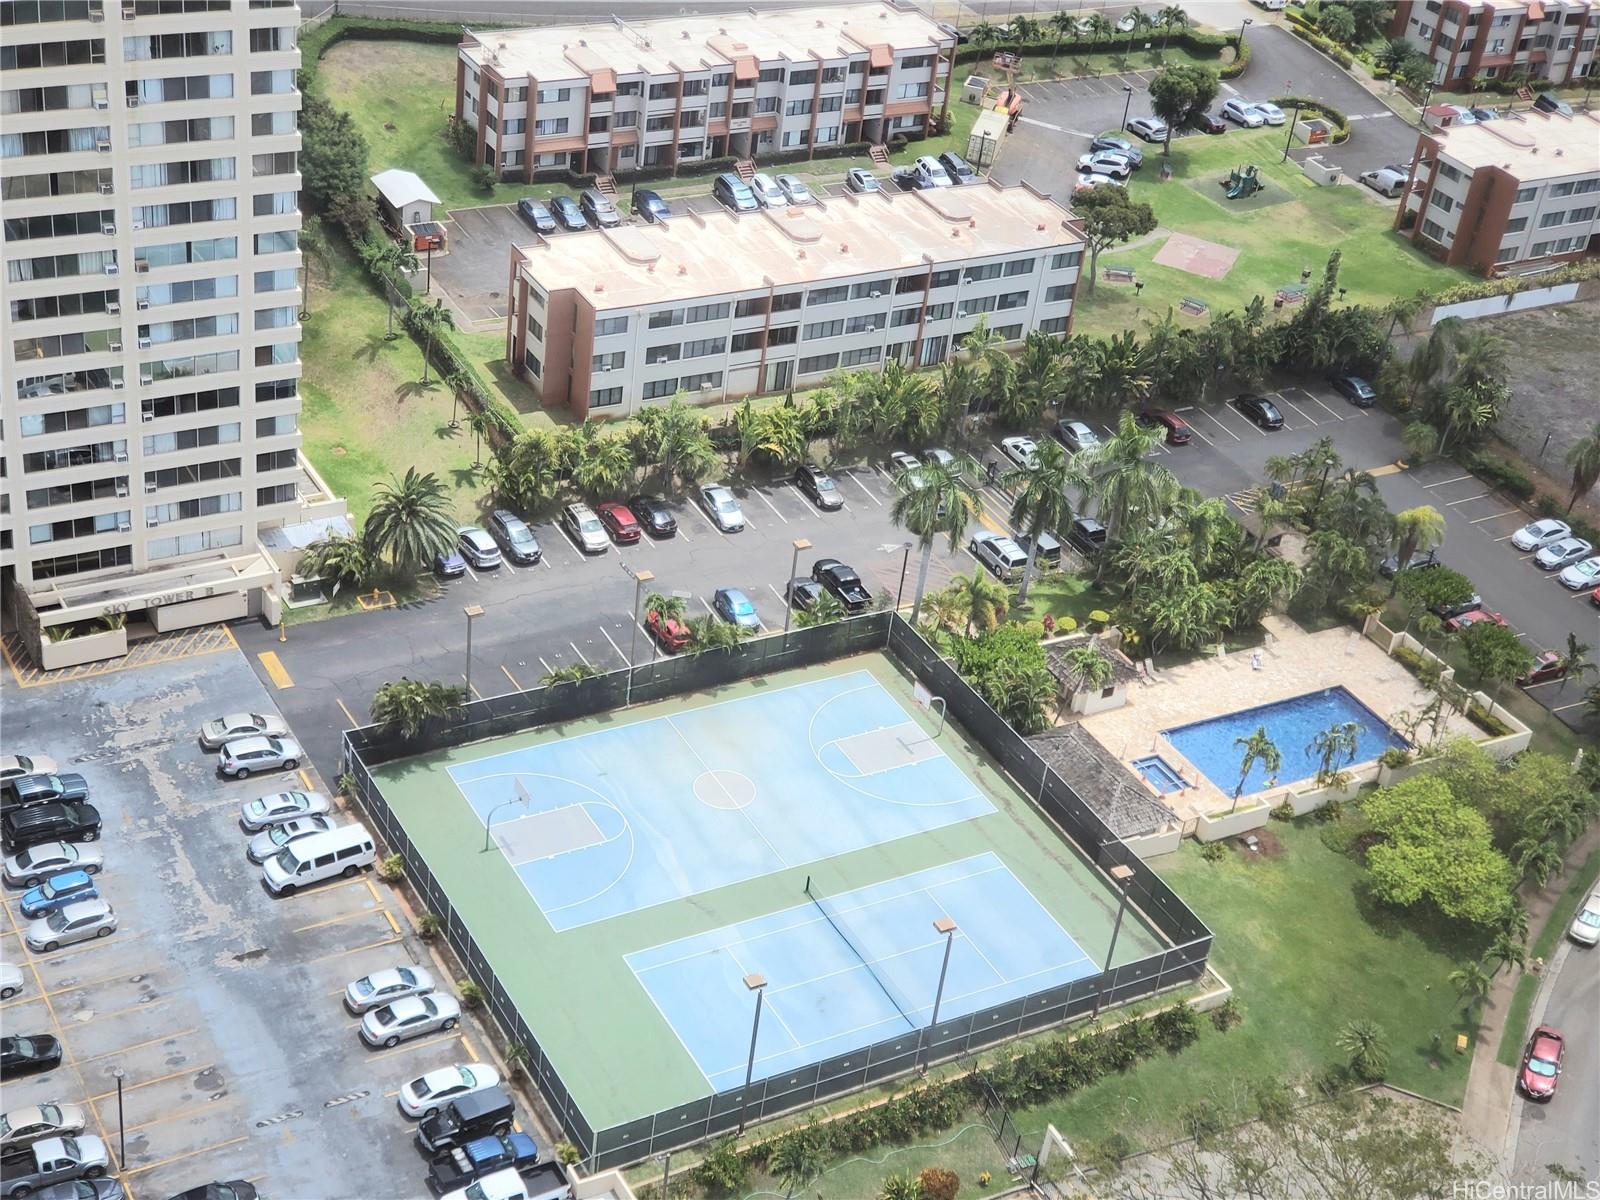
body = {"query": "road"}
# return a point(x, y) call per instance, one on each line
point(1566, 1131)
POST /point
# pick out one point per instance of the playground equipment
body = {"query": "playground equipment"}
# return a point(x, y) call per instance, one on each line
point(1242, 182)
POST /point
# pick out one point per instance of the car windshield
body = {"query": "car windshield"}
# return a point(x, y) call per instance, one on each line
point(1540, 1066)
point(724, 503)
point(50, 891)
point(57, 921)
point(364, 986)
point(520, 534)
point(824, 484)
point(589, 524)
point(1590, 916)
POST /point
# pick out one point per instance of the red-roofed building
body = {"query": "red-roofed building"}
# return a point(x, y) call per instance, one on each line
point(1470, 41)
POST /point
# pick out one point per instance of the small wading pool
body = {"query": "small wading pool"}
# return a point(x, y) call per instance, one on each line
point(1292, 725)
point(1160, 774)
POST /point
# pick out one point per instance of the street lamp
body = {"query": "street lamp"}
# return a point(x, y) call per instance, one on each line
point(473, 611)
point(788, 608)
point(1127, 103)
point(757, 984)
point(1121, 875)
point(640, 578)
point(947, 927)
point(1247, 23)
point(122, 1133)
point(1327, 467)
point(1289, 141)
point(905, 561)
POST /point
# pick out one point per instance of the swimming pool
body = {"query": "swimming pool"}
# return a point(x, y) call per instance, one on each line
point(1160, 774)
point(1292, 725)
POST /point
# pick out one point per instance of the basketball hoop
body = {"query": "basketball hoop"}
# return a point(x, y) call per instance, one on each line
point(925, 700)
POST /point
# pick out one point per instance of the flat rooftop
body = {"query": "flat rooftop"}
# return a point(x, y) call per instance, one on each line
point(690, 255)
point(1541, 146)
point(697, 42)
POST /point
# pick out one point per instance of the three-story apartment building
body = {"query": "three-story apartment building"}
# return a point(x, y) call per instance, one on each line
point(1470, 41)
point(616, 97)
point(150, 346)
point(720, 305)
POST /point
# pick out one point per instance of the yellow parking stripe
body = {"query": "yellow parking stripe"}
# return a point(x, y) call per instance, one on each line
point(188, 1154)
point(273, 666)
point(349, 716)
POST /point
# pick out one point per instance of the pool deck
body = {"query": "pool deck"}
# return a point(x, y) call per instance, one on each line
point(1293, 662)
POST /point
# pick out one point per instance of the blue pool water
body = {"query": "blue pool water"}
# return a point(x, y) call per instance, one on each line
point(1160, 774)
point(1291, 724)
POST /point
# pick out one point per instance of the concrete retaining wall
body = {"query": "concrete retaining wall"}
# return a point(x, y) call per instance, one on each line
point(1214, 829)
point(1152, 845)
point(85, 648)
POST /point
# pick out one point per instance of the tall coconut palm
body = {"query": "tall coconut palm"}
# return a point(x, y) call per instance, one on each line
point(407, 703)
point(1472, 984)
point(392, 258)
point(411, 519)
point(1429, 360)
point(432, 319)
point(1041, 501)
point(1116, 370)
point(1415, 529)
point(986, 348)
point(1584, 459)
point(1257, 748)
point(979, 600)
point(1331, 745)
point(1122, 478)
point(1062, 23)
point(1097, 29)
point(932, 500)
point(1169, 19)
point(1087, 668)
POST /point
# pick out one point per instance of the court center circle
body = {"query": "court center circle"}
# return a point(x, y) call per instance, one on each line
point(724, 789)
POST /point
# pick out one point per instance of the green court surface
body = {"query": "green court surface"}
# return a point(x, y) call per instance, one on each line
point(599, 1027)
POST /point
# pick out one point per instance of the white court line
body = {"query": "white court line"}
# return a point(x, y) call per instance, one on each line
point(705, 766)
point(769, 1006)
point(770, 505)
point(615, 647)
point(1442, 482)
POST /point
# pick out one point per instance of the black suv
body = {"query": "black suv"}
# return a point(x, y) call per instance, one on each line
point(819, 485)
point(843, 582)
point(24, 827)
point(475, 1115)
point(514, 536)
point(653, 513)
point(1087, 536)
point(27, 790)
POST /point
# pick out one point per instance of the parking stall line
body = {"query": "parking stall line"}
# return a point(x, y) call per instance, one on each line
point(475, 691)
point(1566, 707)
point(472, 1051)
point(471, 574)
point(852, 477)
point(147, 1006)
point(1214, 419)
point(144, 1083)
point(507, 673)
point(615, 647)
point(775, 592)
point(378, 945)
point(1442, 482)
point(1296, 407)
point(187, 1154)
point(166, 1037)
point(1480, 520)
point(707, 603)
point(543, 664)
point(349, 716)
point(120, 977)
point(173, 1116)
point(770, 505)
point(1465, 500)
point(349, 916)
point(70, 953)
point(1318, 399)
point(403, 1047)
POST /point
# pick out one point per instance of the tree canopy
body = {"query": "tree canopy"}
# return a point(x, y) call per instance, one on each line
point(333, 154)
point(1109, 217)
point(1178, 91)
point(1437, 851)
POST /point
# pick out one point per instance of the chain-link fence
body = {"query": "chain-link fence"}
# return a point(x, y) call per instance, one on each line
point(1182, 961)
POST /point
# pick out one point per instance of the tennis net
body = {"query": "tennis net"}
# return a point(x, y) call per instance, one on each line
point(866, 962)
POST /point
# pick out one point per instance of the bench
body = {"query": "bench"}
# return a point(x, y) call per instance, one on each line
point(1195, 308)
point(1117, 275)
point(1291, 295)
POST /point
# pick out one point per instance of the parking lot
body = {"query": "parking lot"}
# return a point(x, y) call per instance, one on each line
point(216, 1003)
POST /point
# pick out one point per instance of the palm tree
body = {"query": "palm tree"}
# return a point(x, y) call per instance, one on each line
point(433, 319)
point(1122, 478)
point(712, 633)
point(1140, 24)
point(1366, 1049)
point(1331, 744)
point(795, 1159)
point(1429, 359)
point(481, 421)
point(1472, 984)
point(824, 610)
point(392, 258)
point(1584, 459)
point(314, 248)
point(984, 35)
point(1258, 748)
point(986, 348)
point(411, 519)
point(1061, 24)
point(1098, 29)
point(1040, 500)
point(1469, 408)
point(902, 1187)
point(1169, 19)
point(1507, 950)
point(978, 600)
point(1023, 30)
point(1420, 528)
point(674, 436)
point(572, 674)
point(1116, 371)
point(1576, 661)
point(931, 500)
point(664, 608)
point(1087, 668)
point(1536, 859)
point(342, 558)
point(604, 466)
point(407, 703)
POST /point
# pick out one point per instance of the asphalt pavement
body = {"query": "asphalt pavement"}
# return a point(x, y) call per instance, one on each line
point(1565, 1131)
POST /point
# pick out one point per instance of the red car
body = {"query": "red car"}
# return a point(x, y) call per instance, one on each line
point(1547, 665)
point(1541, 1064)
point(1594, 597)
point(669, 631)
point(1178, 431)
point(1468, 619)
point(620, 522)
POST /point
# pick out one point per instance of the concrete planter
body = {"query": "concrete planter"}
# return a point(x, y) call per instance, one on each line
point(85, 648)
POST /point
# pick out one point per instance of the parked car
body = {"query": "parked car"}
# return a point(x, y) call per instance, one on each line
point(459, 1167)
point(649, 205)
point(1468, 619)
point(10, 980)
point(1390, 566)
point(274, 838)
point(279, 808)
point(999, 553)
point(1580, 575)
point(843, 581)
point(767, 192)
point(217, 1189)
point(802, 593)
point(1151, 129)
point(390, 1024)
point(620, 523)
point(1354, 389)
point(795, 190)
point(1259, 410)
point(1207, 122)
point(598, 209)
point(1386, 181)
point(1177, 429)
point(13, 766)
point(902, 462)
point(28, 1054)
point(1105, 163)
point(250, 756)
point(568, 214)
point(1075, 436)
point(958, 168)
point(80, 922)
point(1541, 1063)
point(1023, 451)
point(1116, 144)
point(1555, 555)
point(584, 527)
point(1240, 111)
point(734, 607)
point(514, 536)
point(1049, 550)
point(214, 734)
point(23, 1126)
point(1585, 928)
point(32, 866)
point(448, 564)
point(925, 173)
point(1270, 112)
point(1548, 665)
point(860, 180)
point(386, 986)
point(474, 1115)
point(27, 790)
point(1087, 182)
point(733, 193)
point(26, 827)
point(653, 513)
point(1445, 611)
point(940, 457)
point(427, 1094)
point(537, 214)
point(819, 486)
point(57, 892)
point(671, 632)
point(1537, 534)
point(722, 508)
point(53, 1160)
point(477, 547)
point(1087, 536)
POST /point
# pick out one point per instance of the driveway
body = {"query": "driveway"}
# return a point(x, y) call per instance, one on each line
point(1563, 1131)
point(475, 269)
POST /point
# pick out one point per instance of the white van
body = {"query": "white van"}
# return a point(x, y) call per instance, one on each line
point(307, 860)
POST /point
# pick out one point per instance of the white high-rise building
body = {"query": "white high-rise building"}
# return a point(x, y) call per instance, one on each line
point(150, 361)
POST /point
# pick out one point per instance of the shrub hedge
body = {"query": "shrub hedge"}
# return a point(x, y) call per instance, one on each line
point(1504, 476)
point(1327, 45)
point(1311, 105)
point(1484, 720)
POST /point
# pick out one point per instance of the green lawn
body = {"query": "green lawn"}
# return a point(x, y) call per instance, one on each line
point(1062, 595)
point(1292, 226)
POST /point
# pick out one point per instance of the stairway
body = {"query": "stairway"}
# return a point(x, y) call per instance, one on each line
point(606, 186)
point(880, 155)
point(745, 168)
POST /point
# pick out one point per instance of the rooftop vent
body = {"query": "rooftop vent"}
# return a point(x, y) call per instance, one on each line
point(844, 247)
point(682, 270)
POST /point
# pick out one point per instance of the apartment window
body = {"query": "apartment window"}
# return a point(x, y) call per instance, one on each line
point(662, 354)
point(626, 120)
point(189, 439)
point(756, 306)
point(54, 183)
point(34, 55)
point(691, 149)
point(191, 212)
point(553, 95)
point(718, 108)
point(66, 382)
point(817, 363)
point(1053, 325)
point(1443, 202)
point(910, 91)
point(31, 13)
point(58, 224)
point(271, 83)
point(978, 304)
point(797, 137)
point(192, 365)
point(520, 124)
point(185, 291)
point(188, 510)
point(657, 124)
point(808, 75)
point(36, 424)
point(1580, 214)
point(1551, 219)
point(182, 87)
point(694, 87)
point(200, 170)
point(1516, 224)
point(707, 312)
point(200, 250)
point(276, 204)
point(177, 45)
point(604, 397)
point(767, 104)
point(54, 141)
point(658, 388)
point(200, 129)
point(855, 358)
point(194, 543)
point(796, 108)
point(71, 304)
point(67, 457)
point(276, 389)
point(613, 360)
point(531, 361)
point(987, 271)
point(827, 295)
point(281, 242)
point(866, 323)
point(281, 493)
point(1020, 266)
point(941, 312)
point(1433, 230)
point(783, 335)
point(852, 97)
point(827, 133)
point(516, 95)
point(1012, 300)
point(824, 329)
point(88, 560)
point(265, 41)
point(77, 527)
point(609, 325)
point(705, 347)
point(743, 342)
point(633, 87)
point(788, 302)
point(905, 316)
point(832, 74)
point(77, 493)
point(56, 345)
point(550, 125)
point(276, 318)
point(663, 91)
point(191, 402)
point(1009, 333)
point(771, 75)
point(162, 332)
point(722, 79)
point(1057, 294)
point(701, 382)
point(1507, 254)
point(280, 354)
point(1524, 195)
point(870, 289)
point(944, 279)
point(535, 330)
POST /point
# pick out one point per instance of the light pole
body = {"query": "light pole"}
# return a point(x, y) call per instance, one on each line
point(122, 1134)
point(788, 608)
point(640, 578)
point(946, 926)
point(1121, 874)
point(1316, 508)
point(473, 611)
point(1289, 141)
point(1127, 103)
point(905, 561)
point(666, 1172)
point(1247, 23)
point(757, 984)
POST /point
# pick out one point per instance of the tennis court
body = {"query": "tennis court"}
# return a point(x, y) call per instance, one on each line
point(641, 813)
point(856, 968)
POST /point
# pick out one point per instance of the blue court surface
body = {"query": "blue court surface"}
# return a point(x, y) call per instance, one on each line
point(823, 998)
point(620, 819)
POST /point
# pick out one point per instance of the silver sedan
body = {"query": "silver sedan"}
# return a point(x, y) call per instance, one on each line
point(385, 987)
point(275, 837)
point(412, 1017)
point(31, 867)
point(80, 922)
point(25, 1126)
point(280, 807)
point(214, 734)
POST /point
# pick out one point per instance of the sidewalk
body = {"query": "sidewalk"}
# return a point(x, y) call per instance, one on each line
point(1486, 1111)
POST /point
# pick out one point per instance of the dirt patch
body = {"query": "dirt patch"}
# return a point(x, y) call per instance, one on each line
point(1210, 260)
point(1267, 844)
